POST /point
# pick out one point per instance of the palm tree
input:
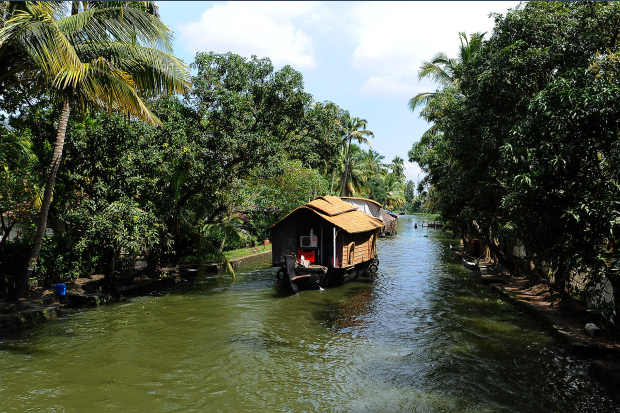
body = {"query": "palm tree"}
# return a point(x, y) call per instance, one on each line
point(372, 162)
point(354, 128)
point(98, 55)
point(358, 174)
point(398, 167)
point(441, 68)
point(395, 191)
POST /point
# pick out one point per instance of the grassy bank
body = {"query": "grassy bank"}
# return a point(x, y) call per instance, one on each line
point(244, 252)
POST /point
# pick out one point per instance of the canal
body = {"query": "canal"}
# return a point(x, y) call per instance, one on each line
point(423, 336)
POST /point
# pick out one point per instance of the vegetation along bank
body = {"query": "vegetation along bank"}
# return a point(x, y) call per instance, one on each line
point(116, 162)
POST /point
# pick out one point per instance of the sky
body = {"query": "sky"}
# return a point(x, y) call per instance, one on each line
point(363, 56)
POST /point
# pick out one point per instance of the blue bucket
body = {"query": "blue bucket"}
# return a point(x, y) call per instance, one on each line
point(60, 289)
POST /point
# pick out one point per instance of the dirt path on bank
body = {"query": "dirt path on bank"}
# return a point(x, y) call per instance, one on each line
point(567, 320)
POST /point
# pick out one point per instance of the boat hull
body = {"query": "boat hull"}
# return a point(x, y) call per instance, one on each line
point(309, 278)
point(297, 279)
point(460, 257)
point(456, 254)
point(470, 265)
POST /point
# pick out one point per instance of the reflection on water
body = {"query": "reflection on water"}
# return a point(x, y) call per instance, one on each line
point(422, 336)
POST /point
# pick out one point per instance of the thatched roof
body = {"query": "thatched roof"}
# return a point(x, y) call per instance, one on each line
point(339, 213)
point(331, 205)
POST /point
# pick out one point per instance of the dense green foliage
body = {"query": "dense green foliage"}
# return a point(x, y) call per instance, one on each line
point(525, 146)
point(244, 148)
point(134, 172)
point(81, 56)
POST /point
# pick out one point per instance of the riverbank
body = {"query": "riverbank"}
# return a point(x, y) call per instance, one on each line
point(241, 253)
point(566, 319)
point(40, 305)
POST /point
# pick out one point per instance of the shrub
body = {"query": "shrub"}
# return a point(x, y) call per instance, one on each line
point(60, 259)
point(13, 256)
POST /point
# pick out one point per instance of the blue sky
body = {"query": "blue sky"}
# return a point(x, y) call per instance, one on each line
point(363, 56)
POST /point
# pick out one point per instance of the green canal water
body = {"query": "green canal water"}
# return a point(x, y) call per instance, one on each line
point(423, 336)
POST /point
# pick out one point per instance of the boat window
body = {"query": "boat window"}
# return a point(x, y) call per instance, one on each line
point(351, 253)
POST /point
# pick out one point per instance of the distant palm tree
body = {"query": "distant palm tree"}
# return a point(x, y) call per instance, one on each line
point(372, 162)
point(354, 128)
point(358, 174)
point(398, 167)
point(441, 68)
point(98, 55)
point(395, 191)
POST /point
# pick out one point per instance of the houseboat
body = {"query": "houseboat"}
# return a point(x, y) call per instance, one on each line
point(390, 220)
point(375, 210)
point(326, 242)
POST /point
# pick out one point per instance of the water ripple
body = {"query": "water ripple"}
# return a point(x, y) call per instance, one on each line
point(422, 336)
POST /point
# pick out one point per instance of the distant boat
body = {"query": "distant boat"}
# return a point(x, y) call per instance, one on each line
point(390, 219)
point(456, 254)
point(472, 265)
point(461, 256)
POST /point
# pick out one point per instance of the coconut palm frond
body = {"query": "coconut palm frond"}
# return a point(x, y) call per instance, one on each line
point(123, 24)
point(111, 89)
point(470, 46)
point(38, 37)
point(153, 71)
point(209, 252)
point(421, 100)
point(441, 69)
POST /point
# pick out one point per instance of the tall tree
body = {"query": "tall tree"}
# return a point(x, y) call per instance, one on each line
point(372, 162)
point(394, 190)
point(530, 142)
point(441, 68)
point(91, 55)
point(354, 128)
point(398, 167)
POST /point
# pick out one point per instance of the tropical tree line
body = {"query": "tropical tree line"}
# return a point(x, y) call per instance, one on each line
point(524, 141)
point(369, 177)
point(109, 143)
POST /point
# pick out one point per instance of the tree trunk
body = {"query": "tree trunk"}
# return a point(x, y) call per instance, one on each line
point(6, 231)
point(223, 242)
point(346, 170)
point(47, 198)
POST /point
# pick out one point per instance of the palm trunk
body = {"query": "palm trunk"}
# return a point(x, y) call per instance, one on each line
point(346, 169)
point(223, 243)
point(47, 198)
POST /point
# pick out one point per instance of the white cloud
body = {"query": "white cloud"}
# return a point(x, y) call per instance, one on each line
point(387, 85)
point(266, 29)
point(413, 172)
point(393, 38)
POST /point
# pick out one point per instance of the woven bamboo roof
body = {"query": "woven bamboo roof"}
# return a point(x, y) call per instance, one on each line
point(339, 213)
point(331, 205)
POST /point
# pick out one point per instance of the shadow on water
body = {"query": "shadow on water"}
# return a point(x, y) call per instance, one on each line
point(422, 336)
